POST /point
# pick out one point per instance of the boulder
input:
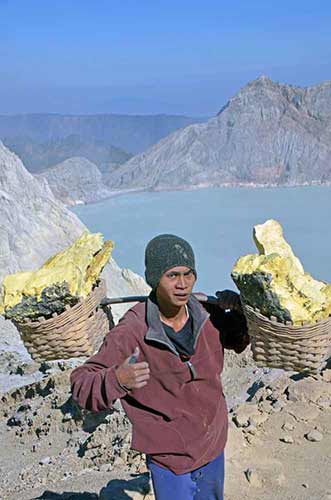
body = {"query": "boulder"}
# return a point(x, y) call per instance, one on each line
point(308, 390)
point(301, 411)
point(247, 413)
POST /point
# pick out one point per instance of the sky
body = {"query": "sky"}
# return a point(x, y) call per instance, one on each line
point(154, 56)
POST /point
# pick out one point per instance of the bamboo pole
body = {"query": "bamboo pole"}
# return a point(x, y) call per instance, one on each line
point(202, 297)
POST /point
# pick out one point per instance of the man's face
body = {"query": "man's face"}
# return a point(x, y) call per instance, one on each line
point(175, 286)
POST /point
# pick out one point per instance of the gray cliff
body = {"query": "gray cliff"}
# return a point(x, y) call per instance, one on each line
point(33, 224)
point(267, 134)
point(76, 180)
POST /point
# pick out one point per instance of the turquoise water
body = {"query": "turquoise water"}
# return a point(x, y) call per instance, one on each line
point(218, 223)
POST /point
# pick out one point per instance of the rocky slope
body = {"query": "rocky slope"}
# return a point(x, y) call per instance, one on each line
point(39, 156)
point(132, 133)
point(33, 226)
point(76, 180)
point(267, 134)
point(33, 223)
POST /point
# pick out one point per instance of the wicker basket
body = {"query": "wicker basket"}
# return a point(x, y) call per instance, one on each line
point(78, 331)
point(287, 346)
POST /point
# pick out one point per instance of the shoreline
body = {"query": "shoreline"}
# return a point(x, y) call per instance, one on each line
point(198, 187)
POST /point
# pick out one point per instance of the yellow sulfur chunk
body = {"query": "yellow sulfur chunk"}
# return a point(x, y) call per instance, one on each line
point(276, 283)
point(79, 266)
point(269, 239)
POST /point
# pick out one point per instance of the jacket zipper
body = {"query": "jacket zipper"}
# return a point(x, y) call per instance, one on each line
point(192, 369)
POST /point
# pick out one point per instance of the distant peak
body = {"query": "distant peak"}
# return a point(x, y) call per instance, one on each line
point(260, 85)
point(263, 83)
point(263, 80)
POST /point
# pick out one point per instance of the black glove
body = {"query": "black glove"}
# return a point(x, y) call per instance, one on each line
point(227, 316)
point(228, 299)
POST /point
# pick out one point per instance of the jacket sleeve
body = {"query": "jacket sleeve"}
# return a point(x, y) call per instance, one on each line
point(94, 384)
point(232, 327)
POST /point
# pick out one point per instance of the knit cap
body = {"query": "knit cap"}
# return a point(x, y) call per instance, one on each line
point(164, 252)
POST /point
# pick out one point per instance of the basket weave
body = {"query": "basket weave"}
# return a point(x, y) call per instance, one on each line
point(287, 346)
point(78, 331)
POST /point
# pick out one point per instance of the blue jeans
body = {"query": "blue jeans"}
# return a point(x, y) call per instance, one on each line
point(205, 483)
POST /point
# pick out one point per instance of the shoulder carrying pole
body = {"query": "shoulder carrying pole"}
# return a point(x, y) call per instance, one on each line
point(202, 297)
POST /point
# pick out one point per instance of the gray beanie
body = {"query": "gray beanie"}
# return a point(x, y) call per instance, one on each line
point(164, 252)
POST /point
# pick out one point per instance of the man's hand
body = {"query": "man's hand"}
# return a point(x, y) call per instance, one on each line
point(227, 299)
point(132, 375)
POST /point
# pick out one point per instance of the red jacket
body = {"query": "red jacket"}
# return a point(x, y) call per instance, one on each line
point(180, 416)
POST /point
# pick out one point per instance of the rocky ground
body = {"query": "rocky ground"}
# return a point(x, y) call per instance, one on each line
point(279, 441)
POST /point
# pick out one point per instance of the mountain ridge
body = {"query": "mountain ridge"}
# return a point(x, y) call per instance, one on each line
point(132, 133)
point(76, 180)
point(39, 156)
point(267, 134)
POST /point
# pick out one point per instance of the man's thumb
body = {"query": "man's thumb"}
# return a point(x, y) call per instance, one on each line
point(134, 356)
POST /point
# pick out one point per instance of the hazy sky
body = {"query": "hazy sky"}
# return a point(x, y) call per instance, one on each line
point(154, 56)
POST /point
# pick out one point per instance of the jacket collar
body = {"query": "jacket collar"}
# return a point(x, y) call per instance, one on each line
point(156, 331)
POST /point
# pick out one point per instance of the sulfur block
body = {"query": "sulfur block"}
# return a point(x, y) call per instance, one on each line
point(275, 282)
point(63, 278)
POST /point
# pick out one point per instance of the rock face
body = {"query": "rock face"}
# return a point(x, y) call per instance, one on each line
point(33, 224)
point(76, 180)
point(267, 134)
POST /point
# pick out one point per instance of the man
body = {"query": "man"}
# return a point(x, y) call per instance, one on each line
point(164, 360)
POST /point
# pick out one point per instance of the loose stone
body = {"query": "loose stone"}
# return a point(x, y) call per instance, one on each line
point(277, 406)
point(288, 426)
point(314, 436)
point(287, 439)
point(253, 478)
